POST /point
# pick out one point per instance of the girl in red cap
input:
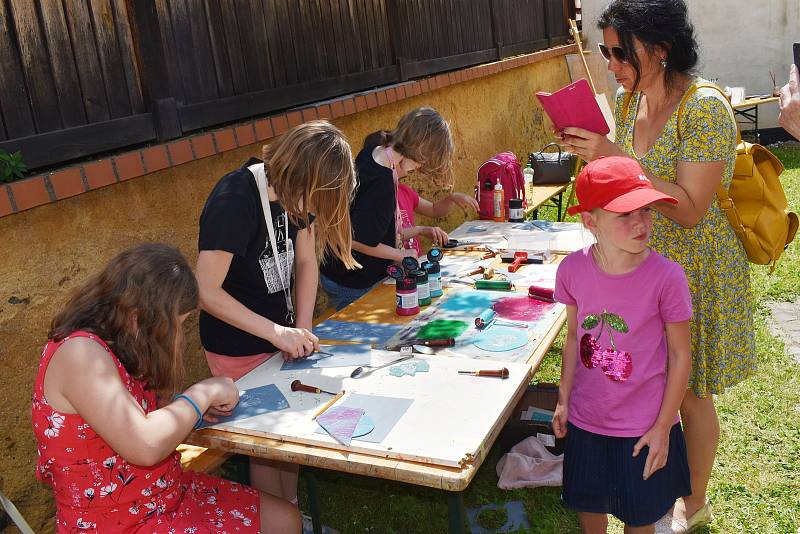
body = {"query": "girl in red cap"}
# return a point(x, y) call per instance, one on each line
point(626, 359)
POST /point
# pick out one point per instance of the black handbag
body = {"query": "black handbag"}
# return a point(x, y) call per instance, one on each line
point(551, 167)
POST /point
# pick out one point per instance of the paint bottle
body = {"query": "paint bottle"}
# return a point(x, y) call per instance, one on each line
point(406, 296)
point(434, 277)
point(528, 179)
point(423, 290)
point(515, 211)
point(498, 202)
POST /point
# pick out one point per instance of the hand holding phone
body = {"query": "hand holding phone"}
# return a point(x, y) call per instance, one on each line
point(790, 98)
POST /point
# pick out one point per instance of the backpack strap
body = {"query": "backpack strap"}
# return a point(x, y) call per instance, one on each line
point(723, 198)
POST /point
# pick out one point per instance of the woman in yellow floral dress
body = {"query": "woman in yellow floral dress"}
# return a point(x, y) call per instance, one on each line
point(650, 48)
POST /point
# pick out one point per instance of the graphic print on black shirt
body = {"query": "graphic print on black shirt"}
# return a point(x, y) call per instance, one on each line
point(285, 262)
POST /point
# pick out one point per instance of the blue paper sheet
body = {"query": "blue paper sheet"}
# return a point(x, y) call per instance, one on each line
point(361, 332)
point(343, 356)
point(255, 401)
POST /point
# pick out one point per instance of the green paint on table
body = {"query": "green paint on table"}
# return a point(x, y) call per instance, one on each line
point(442, 328)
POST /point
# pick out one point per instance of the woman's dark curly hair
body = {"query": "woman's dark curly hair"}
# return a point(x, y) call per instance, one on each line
point(662, 23)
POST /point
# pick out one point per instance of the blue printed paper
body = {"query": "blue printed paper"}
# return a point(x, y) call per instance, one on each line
point(343, 356)
point(253, 402)
point(361, 332)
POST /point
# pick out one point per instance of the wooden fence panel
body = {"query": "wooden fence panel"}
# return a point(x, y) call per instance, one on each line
point(443, 35)
point(65, 77)
point(69, 69)
point(522, 27)
point(295, 51)
point(14, 107)
point(35, 66)
point(87, 63)
point(557, 28)
point(87, 76)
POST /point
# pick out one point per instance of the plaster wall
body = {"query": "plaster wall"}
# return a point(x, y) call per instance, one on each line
point(740, 41)
point(49, 250)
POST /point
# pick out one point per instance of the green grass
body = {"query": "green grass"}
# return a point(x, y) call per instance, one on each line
point(755, 487)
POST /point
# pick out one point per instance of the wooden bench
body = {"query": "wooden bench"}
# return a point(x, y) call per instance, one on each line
point(201, 459)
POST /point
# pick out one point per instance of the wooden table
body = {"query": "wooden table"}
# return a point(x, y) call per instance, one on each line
point(548, 193)
point(746, 112)
point(378, 306)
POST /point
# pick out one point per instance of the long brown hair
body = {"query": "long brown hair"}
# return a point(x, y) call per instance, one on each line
point(424, 136)
point(134, 305)
point(310, 167)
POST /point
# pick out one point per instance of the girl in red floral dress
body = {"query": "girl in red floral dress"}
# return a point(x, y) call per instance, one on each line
point(104, 446)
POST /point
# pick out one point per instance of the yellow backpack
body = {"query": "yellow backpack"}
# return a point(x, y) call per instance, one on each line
point(755, 204)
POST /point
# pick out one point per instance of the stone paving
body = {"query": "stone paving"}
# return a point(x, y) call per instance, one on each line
point(786, 325)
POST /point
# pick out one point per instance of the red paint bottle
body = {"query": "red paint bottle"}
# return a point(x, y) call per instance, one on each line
point(406, 296)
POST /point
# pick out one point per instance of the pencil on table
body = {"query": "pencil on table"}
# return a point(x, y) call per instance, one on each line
point(328, 404)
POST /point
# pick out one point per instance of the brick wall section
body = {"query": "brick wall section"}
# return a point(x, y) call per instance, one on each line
point(68, 182)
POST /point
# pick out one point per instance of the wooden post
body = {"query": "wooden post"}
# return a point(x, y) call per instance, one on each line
point(152, 64)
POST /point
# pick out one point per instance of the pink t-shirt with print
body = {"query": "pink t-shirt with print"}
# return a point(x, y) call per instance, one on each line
point(408, 200)
point(654, 293)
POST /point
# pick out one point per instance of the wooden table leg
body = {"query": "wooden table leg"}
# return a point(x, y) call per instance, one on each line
point(313, 499)
point(455, 511)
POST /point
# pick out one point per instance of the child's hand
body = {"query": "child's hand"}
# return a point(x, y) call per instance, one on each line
point(657, 439)
point(465, 201)
point(437, 235)
point(560, 420)
point(223, 397)
point(294, 342)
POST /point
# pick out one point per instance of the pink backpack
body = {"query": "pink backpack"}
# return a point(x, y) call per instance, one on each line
point(506, 167)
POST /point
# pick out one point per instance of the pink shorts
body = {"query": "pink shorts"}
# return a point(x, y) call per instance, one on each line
point(234, 367)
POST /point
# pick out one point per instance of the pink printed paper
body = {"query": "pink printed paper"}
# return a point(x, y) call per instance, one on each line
point(521, 308)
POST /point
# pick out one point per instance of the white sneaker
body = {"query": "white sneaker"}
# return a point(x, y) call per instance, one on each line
point(308, 526)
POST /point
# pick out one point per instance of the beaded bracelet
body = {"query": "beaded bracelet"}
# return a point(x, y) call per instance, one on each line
point(188, 399)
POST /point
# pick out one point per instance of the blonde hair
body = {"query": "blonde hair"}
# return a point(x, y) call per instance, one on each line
point(310, 167)
point(424, 136)
point(134, 305)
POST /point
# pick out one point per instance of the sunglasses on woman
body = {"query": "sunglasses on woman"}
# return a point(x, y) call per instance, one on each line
point(617, 52)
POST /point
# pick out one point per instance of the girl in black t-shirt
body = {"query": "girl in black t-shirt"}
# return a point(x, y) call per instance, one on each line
point(421, 140)
point(247, 268)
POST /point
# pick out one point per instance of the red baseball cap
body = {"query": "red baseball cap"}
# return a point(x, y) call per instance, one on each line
point(615, 184)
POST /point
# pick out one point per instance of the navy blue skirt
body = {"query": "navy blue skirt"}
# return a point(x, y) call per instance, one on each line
point(601, 476)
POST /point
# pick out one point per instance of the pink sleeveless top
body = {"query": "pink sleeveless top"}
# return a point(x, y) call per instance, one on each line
point(96, 490)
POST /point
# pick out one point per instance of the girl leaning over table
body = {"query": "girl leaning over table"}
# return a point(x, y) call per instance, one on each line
point(260, 233)
point(104, 423)
point(651, 49)
point(383, 209)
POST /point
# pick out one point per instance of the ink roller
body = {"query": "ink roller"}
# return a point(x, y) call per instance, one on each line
point(541, 293)
point(495, 373)
point(517, 259)
point(490, 316)
point(497, 285)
